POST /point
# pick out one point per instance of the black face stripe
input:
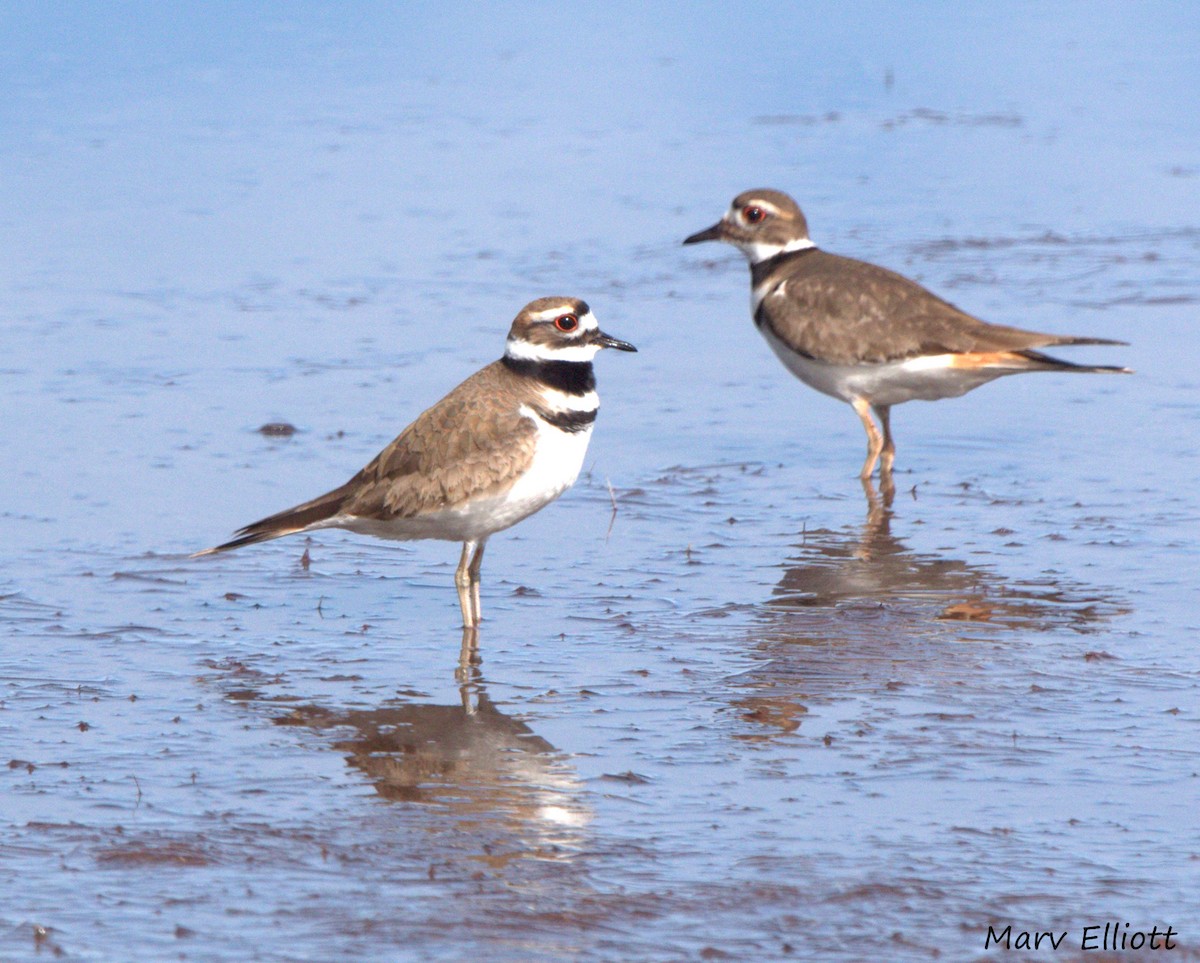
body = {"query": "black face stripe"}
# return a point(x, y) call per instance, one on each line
point(569, 377)
point(571, 421)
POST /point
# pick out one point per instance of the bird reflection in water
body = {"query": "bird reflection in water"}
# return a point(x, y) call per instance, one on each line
point(869, 570)
point(856, 608)
point(488, 771)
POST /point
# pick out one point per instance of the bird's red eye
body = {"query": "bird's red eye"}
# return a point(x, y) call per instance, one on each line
point(566, 322)
point(753, 215)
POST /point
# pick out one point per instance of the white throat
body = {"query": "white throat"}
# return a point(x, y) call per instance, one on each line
point(528, 351)
point(757, 251)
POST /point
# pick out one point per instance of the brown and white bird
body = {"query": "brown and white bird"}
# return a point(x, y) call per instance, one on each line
point(503, 444)
point(865, 334)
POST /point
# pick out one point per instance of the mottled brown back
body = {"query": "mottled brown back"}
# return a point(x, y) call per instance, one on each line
point(844, 311)
point(471, 444)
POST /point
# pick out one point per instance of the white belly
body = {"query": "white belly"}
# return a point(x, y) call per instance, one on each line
point(557, 461)
point(890, 383)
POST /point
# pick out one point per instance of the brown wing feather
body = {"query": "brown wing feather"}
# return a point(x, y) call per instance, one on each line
point(845, 311)
point(470, 444)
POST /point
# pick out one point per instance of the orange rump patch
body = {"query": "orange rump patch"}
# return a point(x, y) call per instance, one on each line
point(988, 359)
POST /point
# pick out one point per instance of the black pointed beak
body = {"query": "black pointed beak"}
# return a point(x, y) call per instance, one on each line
point(605, 341)
point(708, 234)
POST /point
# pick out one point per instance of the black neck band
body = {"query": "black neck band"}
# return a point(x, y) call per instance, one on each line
point(569, 421)
point(763, 268)
point(569, 377)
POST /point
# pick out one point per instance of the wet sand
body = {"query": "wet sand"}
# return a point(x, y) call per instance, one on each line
point(755, 713)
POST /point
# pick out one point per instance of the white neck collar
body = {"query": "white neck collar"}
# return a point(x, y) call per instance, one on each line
point(758, 252)
point(528, 351)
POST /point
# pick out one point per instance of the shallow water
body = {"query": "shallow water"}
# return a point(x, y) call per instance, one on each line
point(753, 714)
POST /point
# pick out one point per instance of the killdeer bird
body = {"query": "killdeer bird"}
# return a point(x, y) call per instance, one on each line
point(503, 444)
point(865, 334)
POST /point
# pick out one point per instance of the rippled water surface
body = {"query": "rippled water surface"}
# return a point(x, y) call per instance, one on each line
point(752, 713)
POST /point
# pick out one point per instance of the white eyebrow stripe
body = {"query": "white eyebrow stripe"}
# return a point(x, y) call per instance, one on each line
point(765, 205)
point(549, 314)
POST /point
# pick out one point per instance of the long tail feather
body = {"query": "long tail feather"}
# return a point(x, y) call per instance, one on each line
point(1066, 342)
point(1044, 362)
point(287, 522)
point(248, 539)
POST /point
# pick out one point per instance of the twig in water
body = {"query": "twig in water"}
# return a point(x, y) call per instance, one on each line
point(613, 518)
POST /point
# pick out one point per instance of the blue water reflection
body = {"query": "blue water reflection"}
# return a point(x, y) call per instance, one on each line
point(216, 216)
